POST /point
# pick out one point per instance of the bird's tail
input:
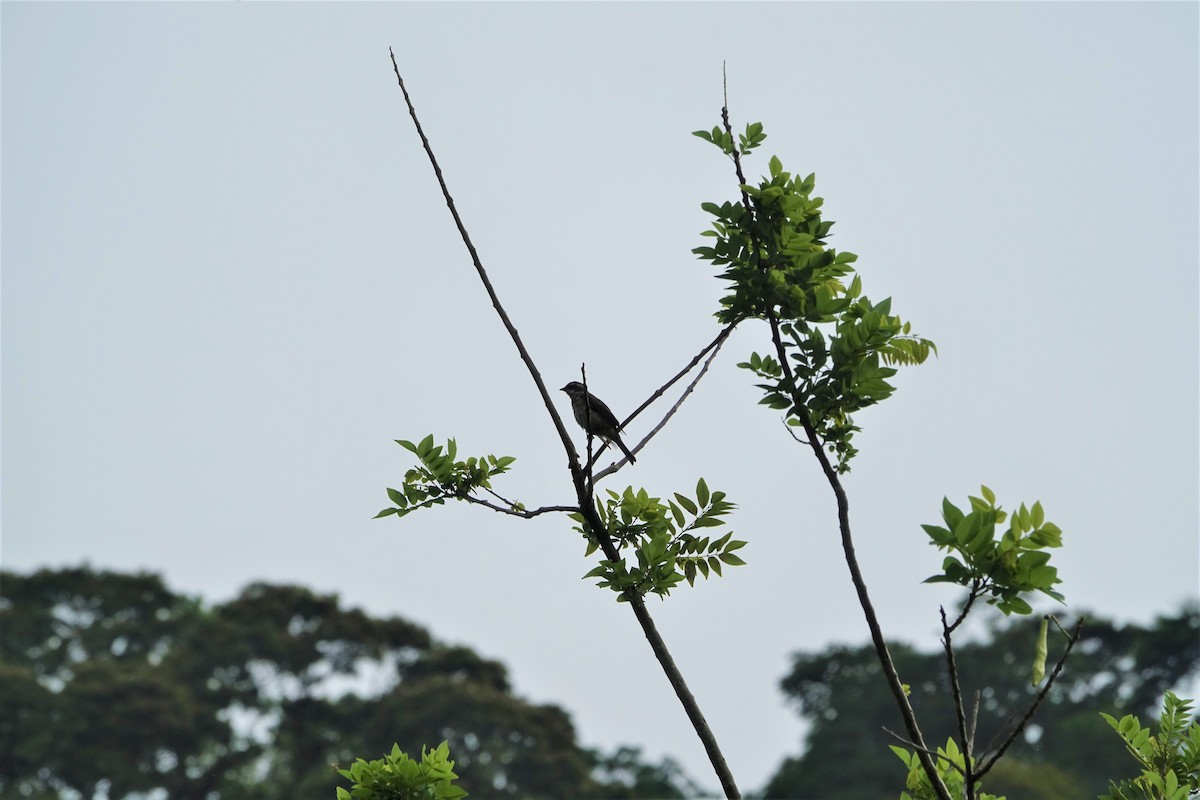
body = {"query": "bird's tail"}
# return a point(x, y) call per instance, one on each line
point(625, 450)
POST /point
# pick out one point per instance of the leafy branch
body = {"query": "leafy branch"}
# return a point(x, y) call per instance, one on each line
point(835, 353)
point(772, 248)
point(441, 476)
point(396, 776)
point(1002, 569)
point(1169, 757)
point(662, 536)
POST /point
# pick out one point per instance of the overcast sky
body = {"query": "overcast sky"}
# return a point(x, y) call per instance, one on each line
point(229, 282)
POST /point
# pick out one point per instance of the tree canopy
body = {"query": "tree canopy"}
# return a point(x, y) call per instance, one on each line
point(112, 682)
point(1068, 752)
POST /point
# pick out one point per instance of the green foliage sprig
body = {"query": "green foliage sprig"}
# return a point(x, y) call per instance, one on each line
point(665, 540)
point(950, 765)
point(1001, 568)
point(398, 777)
point(842, 348)
point(751, 139)
point(440, 476)
point(1170, 758)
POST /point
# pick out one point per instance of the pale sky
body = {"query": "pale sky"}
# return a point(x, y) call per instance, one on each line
point(229, 282)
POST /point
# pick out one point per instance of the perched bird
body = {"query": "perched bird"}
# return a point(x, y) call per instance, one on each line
point(601, 422)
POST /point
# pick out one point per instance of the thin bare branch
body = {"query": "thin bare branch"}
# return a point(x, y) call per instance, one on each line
point(960, 713)
point(975, 591)
point(975, 716)
point(716, 348)
point(483, 276)
point(920, 749)
point(791, 429)
point(591, 458)
point(513, 512)
point(716, 344)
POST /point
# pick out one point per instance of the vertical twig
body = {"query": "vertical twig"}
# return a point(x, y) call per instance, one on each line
point(959, 712)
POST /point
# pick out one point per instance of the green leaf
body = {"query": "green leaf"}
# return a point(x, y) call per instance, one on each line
point(967, 529)
point(386, 512)
point(940, 536)
point(950, 514)
point(731, 559)
point(686, 503)
point(425, 446)
point(1023, 518)
point(1037, 515)
point(677, 513)
point(702, 494)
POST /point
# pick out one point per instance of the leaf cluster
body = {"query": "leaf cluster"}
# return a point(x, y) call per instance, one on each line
point(1170, 758)
point(398, 777)
point(951, 765)
point(772, 249)
point(747, 141)
point(1001, 567)
point(441, 476)
point(665, 539)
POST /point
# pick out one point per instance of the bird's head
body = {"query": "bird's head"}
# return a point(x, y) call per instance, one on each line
point(572, 388)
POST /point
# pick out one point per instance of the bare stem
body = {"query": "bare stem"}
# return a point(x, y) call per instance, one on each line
point(513, 512)
point(920, 749)
point(959, 712)
point(715, 348)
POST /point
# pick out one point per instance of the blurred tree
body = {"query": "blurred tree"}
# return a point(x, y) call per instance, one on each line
point(112, 684)
point(1069, 752)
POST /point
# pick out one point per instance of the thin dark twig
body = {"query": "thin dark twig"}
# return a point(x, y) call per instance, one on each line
point(975, 717)
point(527, 514)
point(587, 509)
point(959, 712)
point(976, 589)
point(920, 749)
point(587, 414)
point(737, 158)
point(791, 429)
point(670, 412)
point(483, 276)
point(990, 762)
point(715, 343)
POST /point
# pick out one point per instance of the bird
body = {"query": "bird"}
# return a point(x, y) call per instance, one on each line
point(601, 422)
